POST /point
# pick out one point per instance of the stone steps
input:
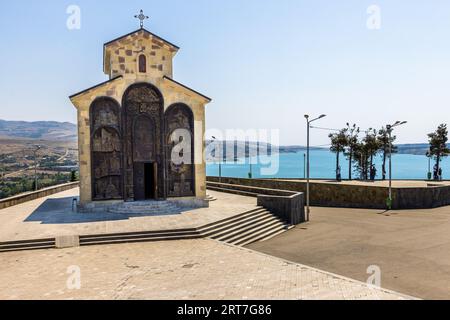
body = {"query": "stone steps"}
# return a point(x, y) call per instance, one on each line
point(186, 234)
point(27, 245)
point(253, 226)
point(243, 229)
point(147, 207)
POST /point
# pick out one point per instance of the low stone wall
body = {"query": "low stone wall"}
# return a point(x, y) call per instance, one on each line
point(29, 196)
point(287, 208)
point(354, 196)
point(287, 205)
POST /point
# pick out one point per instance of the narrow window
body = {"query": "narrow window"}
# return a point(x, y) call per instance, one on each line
point(142, 64)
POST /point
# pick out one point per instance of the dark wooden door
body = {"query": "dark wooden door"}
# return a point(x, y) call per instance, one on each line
point(139, 181)
point(155, 180)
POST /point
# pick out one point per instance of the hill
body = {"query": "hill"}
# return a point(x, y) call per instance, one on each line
point(45, 130)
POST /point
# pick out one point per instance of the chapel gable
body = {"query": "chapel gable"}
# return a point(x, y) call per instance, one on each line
point(139, 54)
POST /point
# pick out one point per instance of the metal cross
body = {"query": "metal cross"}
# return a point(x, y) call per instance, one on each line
point(142, 17)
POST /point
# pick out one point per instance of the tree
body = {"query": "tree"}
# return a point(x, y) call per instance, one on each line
point(73, 176)
point(364, 153)
point(338, 144)
point(352, 145)
point(384, 144)
point(438, 144)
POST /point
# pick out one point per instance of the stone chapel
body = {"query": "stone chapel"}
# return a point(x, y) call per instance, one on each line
point(126, 126)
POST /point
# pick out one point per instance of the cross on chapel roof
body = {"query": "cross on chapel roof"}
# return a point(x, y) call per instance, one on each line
point(142, 17)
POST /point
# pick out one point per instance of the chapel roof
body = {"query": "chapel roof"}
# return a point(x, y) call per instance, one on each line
point(145, 31)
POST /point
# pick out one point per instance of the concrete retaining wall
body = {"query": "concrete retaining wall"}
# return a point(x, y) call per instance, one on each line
point(29, 196)
point(354, 196)
point(286, 205)
point(288, 208)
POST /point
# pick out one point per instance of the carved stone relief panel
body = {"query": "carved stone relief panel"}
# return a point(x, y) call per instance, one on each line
point(179, 122)
point(106, 150)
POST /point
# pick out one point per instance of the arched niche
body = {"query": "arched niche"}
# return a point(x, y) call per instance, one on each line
point(106, 150)
point(179, 148)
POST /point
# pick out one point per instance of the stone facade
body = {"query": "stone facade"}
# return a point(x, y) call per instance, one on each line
point(139, 58)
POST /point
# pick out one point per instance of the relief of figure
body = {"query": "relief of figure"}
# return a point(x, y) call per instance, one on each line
point(114, 164)
point(111, 191)
point(107, 117)
point(106, 140)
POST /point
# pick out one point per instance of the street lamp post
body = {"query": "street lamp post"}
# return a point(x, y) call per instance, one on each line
point(220, 160)
point(389, 129)
point(304, 166)
point(429, 175)
point(308, 124)
point(37, 148)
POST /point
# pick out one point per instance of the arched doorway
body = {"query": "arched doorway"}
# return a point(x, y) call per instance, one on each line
point(143, 110)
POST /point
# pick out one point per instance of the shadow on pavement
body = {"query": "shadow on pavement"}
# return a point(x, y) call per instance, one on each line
point(59, 211)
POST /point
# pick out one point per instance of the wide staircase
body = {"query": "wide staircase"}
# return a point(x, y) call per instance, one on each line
point(27, 245)
point(244, 229)
point(146, 208)
point(241, 230)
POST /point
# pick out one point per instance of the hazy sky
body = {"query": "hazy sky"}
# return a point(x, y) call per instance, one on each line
point(265, 63)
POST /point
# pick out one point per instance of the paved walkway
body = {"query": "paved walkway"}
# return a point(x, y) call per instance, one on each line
point(411, 247)
point(52, 216)
point(193, 269)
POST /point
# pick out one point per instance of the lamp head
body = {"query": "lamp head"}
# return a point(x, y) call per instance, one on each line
point(306, 116)
point(322, 116)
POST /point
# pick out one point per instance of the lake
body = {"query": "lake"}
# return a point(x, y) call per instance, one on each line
point(323, 166)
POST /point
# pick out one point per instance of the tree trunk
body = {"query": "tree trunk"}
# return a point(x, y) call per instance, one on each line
point(384, 165)
point(337, 164)
point(350, 165)
point(438, 158)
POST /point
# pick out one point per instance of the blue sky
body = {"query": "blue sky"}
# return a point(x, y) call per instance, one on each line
point(265, 63)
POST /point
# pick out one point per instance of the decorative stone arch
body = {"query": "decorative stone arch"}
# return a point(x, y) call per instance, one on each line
point(106, 149)
point(180, 176)
point(143, 101)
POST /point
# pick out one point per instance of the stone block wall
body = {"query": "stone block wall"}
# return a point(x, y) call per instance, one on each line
point(354, 196)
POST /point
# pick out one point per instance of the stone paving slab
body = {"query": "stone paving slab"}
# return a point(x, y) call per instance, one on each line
point(187, 270)
point(52, 217)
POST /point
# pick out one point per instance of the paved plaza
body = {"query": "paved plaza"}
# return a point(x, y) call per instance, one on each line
point(190, 270)
point(411, 247)
point(53, 216)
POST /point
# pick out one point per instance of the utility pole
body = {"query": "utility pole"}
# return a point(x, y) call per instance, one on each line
point(220, 159)
point(389, 129)
point(37, 148)
point(308, 124)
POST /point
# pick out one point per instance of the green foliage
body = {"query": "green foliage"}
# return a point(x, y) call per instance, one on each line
point(438, 144)
point(386, 146)
point(352, 145)
point(14, 186)
point(364, 153)
point(73, 176)
point(339, 142)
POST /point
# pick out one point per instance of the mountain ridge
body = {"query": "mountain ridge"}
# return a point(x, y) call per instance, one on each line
point(43, 130)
